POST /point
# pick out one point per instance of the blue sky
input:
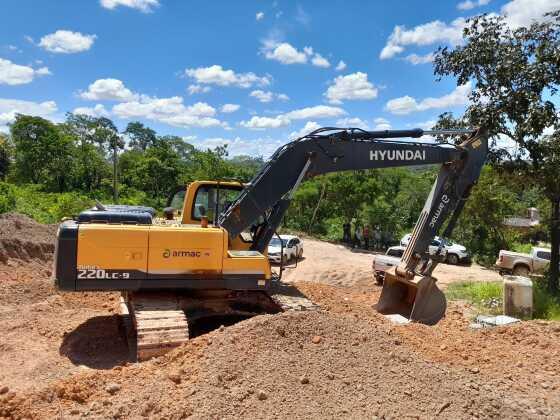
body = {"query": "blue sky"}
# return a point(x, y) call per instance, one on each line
point(251, 74)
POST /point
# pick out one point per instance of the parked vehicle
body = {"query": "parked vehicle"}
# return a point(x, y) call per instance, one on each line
point(456, 254)
point(382, 263)
point(292, 248)
point(520, 264)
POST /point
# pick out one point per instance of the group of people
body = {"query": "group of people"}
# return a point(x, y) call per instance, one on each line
point(365, 237)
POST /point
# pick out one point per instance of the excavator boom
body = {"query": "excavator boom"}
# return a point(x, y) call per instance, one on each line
point(409, 290)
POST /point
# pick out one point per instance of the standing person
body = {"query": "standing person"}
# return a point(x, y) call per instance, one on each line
point(376, 238)
point(366, 237)
point(384, 239)
point(358, 236)
point(346, 233)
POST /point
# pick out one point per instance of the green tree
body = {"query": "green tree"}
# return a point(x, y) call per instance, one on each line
point(141, 137)
point(43, 154)
point(5, 156)
point(181, 147)
point(156, 171)
point(514, 74)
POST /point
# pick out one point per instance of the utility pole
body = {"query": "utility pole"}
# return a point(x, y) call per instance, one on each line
point(115, 190)
point(555, 245)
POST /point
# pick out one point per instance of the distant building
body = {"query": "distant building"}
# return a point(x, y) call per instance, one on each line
point(523, 223)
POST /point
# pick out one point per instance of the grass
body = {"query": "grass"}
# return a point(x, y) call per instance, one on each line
point(487, 298)
point(546, 306)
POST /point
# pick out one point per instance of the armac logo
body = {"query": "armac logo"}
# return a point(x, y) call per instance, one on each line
point(171, 253)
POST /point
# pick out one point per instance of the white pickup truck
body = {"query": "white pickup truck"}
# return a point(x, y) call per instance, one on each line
point(519, 264)
point(381, 263)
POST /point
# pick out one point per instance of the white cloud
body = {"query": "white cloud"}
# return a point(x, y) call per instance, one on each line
point(96, 111)
point(267, 96)
point(381, 124)
point(108, 90)
point(170, 111)
point(425, 34)
point(15, 74)
point(353, 123)
point(306, 129)
point(406, 104)
point(262, 123)
point(193, 89)
point(10, 107)
point(420, 59)
point(259, 16)
point(302, 16)
point(67, 42)
point(262, 96)
point(425, 125)
point(282, 120)
point(319, 111)
point(240, 146)
point(229, 108)
point(145, 6)
point(469, 4)
point(354, 86)
point(286, 54)
point(319, 61)
point(216, 75)
point(517, 13)
point(524, 12)
point(43, 71)
point(340, 66)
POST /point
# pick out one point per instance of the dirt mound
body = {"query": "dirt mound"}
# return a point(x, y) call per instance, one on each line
point(22, 238)
point(291, 365)
point(62, 356)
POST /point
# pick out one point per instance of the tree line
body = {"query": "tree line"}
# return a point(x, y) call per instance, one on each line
point(56, 170)
point(514, 75)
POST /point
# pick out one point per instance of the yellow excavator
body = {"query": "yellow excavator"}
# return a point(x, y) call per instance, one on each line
point(209, 260)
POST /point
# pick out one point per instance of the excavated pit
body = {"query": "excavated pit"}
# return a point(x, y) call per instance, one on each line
point(205, 325)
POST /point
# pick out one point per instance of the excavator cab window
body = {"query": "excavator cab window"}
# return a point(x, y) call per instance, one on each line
point(208, 195)
point(177, 199)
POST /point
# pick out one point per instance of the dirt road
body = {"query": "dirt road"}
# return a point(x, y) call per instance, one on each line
point(62, 356)
point(338, 265)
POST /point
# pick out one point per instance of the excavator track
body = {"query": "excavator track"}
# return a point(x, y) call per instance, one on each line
point(157, 322)
point(289, 298)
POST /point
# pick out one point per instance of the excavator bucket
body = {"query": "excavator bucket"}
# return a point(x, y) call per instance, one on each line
point(418, 300)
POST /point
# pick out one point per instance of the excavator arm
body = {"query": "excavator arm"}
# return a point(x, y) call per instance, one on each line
point(265, 200)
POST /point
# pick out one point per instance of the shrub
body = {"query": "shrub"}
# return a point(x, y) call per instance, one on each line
point(545, 305)
point(7, 198)
point(49, 207)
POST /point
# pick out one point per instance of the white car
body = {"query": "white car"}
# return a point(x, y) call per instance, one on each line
point(381, 263)
point(455, 253)
point(293, 248)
